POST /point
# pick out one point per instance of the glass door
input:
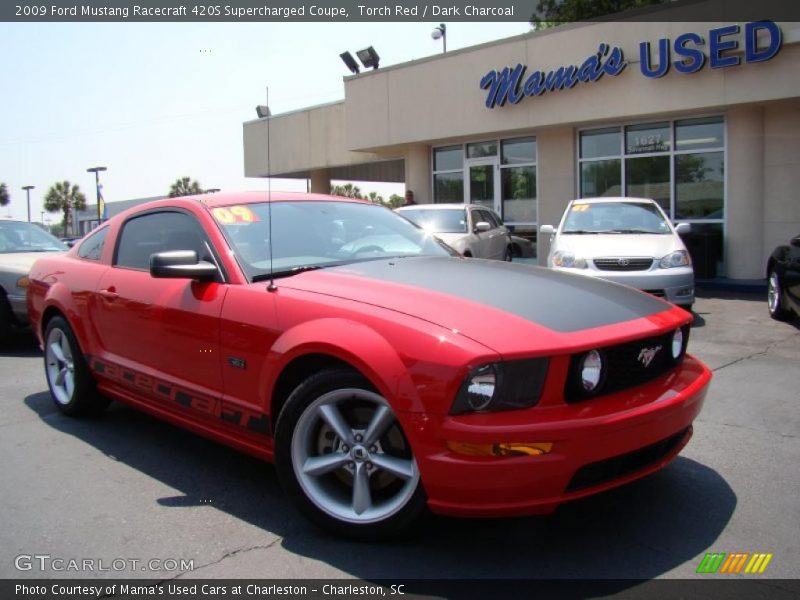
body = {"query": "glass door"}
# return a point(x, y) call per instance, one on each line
point(482, 185)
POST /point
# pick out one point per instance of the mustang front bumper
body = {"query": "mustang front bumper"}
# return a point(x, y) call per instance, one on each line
point(597, 444)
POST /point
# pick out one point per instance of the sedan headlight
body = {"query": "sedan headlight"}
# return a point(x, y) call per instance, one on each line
point(567, 260)
point(679, 258)
point(501, 386)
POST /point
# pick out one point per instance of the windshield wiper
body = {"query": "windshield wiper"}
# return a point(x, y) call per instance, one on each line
point(285, 273)
point(629, 231)
point(580, 231)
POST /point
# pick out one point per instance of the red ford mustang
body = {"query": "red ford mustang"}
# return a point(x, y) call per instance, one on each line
point(382, 374)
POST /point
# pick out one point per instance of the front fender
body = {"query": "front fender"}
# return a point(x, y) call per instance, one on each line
point(354, 343)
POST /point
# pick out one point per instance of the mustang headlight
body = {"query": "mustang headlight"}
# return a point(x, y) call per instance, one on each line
point(567, 260)
point(504, 385)
point(679, 258)
point(591, 369)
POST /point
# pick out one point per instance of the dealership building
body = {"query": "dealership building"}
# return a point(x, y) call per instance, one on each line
point(702, 117)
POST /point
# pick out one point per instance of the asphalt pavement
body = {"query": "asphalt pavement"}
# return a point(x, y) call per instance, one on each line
point(125, 487)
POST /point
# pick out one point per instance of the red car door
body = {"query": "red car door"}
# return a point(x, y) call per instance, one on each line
point(160, 336)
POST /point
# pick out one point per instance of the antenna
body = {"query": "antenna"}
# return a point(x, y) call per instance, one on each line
point(271, 287)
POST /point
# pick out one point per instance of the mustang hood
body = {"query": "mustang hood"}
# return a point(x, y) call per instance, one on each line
point(498, 304)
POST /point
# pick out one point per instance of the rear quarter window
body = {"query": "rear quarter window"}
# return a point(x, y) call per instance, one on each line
point(92, 247)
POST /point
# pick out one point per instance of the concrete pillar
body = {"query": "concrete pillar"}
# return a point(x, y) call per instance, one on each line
point(556, 172)
point(418, 172)
point(745, 187)
point(321, 181)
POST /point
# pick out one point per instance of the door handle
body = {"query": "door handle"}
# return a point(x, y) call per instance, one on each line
point(109, 293)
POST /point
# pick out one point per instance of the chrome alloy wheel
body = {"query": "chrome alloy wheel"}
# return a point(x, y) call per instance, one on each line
point(60, 366)
point(773, 293)
point(350, 457)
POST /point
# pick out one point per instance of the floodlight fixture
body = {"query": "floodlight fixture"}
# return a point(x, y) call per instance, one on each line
point(368, 57)
point(263, 111)
point(351, 63)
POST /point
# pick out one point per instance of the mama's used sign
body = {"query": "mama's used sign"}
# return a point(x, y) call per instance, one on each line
point(511, 84)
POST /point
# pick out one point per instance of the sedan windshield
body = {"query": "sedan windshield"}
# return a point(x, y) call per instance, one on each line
point(614, 217)
point(16, 236)
point(310, 235)
point(438, 220)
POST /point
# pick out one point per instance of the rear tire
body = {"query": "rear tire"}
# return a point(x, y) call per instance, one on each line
point(344, 461)
point(71, 384)
point(775, 297)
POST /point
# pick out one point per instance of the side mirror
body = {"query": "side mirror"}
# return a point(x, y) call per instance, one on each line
point(547, 229)
point(482, 226)
point(795, 241)
point(682, 228)
point(181, 264)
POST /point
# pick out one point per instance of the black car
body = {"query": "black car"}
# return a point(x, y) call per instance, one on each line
point(783, 280)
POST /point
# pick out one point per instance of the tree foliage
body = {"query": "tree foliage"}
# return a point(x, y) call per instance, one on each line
point(4, 197)
point(185, 186)
point(348, 190)
point(551, 13)
point(65, 197)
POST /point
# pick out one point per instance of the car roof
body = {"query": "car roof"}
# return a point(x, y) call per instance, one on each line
point(611, 199)
point(230, 198)
point(443, 206)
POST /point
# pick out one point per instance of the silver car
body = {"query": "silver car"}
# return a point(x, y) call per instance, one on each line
point(21, 243)
point(625, 240)
point(472, 230)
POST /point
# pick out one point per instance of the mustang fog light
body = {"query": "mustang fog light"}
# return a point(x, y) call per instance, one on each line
point(591, 371)
point(23, 282)
point(677, 344)
point(501, 449)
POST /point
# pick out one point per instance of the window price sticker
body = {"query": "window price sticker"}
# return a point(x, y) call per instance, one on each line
point(234, 214)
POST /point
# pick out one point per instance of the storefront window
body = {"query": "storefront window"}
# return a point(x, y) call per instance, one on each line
point(448, 187)
point(699, 134)
point(481, 185)
point(699, 185)
point(651, 137)
point(648, 177)
point(600, 143)
point(601, 178)
point(519, 194)
point(481, 149)
point(449, 158)
point(518, 151)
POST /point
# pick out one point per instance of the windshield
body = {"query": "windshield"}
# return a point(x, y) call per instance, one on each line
point(17, 236)
point(615, 217)
point(315, 234)
point(438, 220)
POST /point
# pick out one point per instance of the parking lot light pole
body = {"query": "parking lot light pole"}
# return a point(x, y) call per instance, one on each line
point(28, 189)
point(100, 209)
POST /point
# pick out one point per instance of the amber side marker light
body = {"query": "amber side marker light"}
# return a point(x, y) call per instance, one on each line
point(505, 449)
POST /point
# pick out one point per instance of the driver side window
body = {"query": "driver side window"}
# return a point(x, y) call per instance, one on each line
point(148, 234)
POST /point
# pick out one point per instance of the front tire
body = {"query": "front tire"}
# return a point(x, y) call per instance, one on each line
point(775, 297)
point(71, 384)
point(343, 459)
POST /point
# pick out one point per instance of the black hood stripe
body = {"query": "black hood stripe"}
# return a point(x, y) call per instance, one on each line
point(558, 301)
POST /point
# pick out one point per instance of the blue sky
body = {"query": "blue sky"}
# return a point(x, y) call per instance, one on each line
point(154, 102)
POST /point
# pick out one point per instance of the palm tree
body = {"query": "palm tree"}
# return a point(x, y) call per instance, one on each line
point(4, 197)
point(348, 190)
point(65, 197)
point(185, 186)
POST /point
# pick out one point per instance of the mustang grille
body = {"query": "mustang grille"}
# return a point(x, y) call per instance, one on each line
point(626, 365)
point(623, 264)
point(616, 467)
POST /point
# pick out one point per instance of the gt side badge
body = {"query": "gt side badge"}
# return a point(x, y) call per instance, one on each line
point(237, 363)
